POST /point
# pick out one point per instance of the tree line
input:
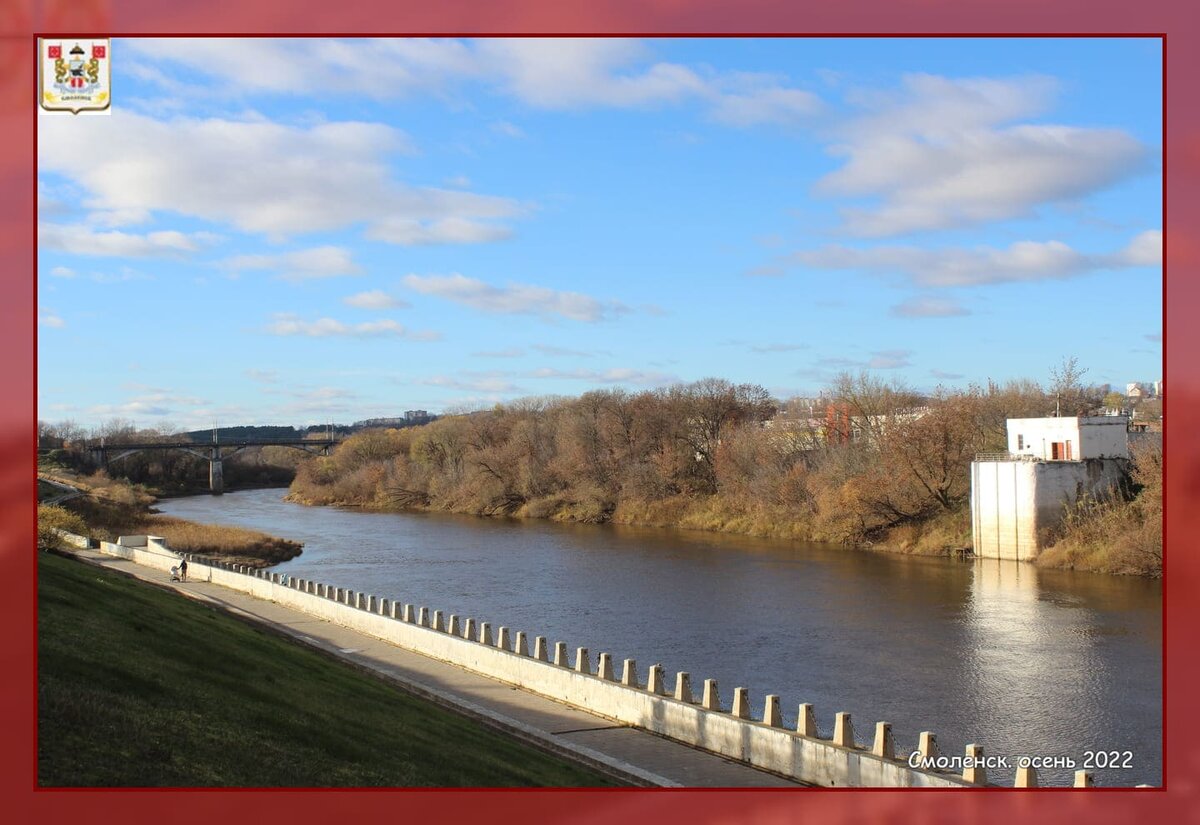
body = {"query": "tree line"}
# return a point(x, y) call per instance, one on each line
point(865, 458)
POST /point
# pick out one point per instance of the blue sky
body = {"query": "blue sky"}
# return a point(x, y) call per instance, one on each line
point(288, 232)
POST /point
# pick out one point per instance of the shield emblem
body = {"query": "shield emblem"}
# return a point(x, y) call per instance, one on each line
point(75, 75)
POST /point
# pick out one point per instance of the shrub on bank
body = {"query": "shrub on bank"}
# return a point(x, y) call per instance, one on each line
point(53, 517)
point(1114, 534)
point(115, 508)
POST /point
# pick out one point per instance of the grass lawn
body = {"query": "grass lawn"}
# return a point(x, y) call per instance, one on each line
point(141, 687)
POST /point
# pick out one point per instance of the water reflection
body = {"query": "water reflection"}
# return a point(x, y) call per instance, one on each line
point(1020, 660)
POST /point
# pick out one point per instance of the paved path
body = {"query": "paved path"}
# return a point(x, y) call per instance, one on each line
point(628, 753)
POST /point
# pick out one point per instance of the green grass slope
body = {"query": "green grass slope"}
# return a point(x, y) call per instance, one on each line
point(140, 687)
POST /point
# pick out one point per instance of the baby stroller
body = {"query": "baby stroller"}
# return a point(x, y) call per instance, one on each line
point(175, 574)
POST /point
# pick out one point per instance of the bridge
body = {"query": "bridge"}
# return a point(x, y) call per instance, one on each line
point(214, 453)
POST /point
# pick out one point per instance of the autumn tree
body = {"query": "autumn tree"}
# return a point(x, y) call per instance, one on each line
point(1070, 395)
point(707, 409)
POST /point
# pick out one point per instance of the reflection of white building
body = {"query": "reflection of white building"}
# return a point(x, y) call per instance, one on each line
point(1019, 498)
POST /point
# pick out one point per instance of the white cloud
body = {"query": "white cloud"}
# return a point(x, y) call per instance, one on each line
point(927, 306)
point(375, 299)
point(475, 382)
point(889, 359)
point(512, 352)
point(51, 201)
point(514, 298)
point(124, 274)
point(412, 232)
point(300, 265)
point(548, 73)
point(951, 267)
point(564, 352)
point(314, 401)
point(81, 240)
point(937, 155)
point(62, 272)
point(157, 403)
point(376, 68)
point(503, 127)
point(279, 180)
point(571, 73)
point(1144, 250)
point(609, 376)
point(766, 104)
point(949, 376)
point(47, 318)
point(286, 324)
point(762, 348)
point(262, 376)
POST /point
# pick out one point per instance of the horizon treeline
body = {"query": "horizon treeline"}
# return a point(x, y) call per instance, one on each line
point(865, 457)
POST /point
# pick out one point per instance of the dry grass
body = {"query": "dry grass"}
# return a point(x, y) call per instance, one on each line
point(1109, 536)
point(232, 544)
point(945, 534)
point(718, 514)
point(113, 508)
point(1115, 535)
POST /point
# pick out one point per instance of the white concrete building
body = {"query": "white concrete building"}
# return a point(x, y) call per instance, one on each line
point(1019, 498)
point(1069, 439)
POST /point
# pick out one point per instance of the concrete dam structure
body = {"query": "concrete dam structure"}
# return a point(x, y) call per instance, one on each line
point(1020, 498)
point(670, 705)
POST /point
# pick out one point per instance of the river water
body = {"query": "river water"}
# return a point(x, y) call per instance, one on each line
point(1025, 662)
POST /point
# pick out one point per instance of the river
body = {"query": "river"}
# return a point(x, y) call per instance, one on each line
point(1026, 662)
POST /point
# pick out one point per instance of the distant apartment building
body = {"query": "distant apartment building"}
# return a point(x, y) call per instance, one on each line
point(414, 416)
point(1144, 389)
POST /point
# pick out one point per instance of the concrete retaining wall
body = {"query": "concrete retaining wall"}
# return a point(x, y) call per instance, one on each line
point(73, 540)
point(618, 693)
point(1016, 506)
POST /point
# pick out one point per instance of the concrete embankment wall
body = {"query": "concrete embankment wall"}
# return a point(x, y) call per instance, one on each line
point(1016, 505)
point(669, 708)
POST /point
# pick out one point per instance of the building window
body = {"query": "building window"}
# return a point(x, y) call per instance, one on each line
point(1020, 442)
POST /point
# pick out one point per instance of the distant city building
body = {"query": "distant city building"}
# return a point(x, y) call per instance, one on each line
point(415, 415)
point(1134, 390)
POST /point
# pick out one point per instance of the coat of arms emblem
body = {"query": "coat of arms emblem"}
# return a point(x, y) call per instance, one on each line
point(75, 76)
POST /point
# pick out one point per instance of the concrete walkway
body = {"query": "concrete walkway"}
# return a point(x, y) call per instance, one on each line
point(626, 753)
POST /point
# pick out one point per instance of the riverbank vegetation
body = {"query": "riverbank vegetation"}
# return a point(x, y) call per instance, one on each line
point(1115, 534)
point(866, 463)
point(161, 472)
point(114, 507)
point(138, 687)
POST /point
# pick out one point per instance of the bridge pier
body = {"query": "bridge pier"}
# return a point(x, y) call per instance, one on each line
point(213, 453)
point(216, 478)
